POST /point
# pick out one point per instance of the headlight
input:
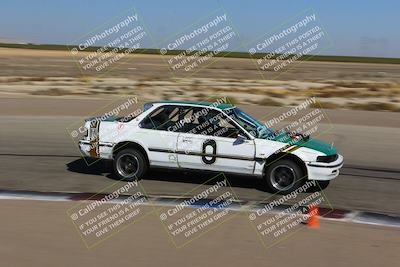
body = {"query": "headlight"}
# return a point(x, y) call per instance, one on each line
point(327, 159)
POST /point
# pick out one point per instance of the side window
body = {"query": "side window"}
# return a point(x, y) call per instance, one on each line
point(210, 122)
point(162, 118)
point(190, 120)
point(220, 126)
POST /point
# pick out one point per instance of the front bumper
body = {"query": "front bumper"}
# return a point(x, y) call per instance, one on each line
point(324, 171)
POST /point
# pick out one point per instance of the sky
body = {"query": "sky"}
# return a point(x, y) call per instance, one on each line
point(355, 28)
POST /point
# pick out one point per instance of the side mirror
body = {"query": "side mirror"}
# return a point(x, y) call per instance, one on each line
point(240, 139)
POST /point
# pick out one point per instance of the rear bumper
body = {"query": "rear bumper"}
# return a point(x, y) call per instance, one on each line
point(85, 147)
point(101, 150)
point(324, 171)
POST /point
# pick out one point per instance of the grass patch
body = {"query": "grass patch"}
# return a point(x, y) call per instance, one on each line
point(266, 101)
point(23, 79)
point(328, 92)
point(85, 79)
point(324, 105)
point(368, 85)
point(230, 54)
point(231, 100)
point(200, 96)
point(52, 92)
point(276, 93)
point(374, 106)
point(217, 98)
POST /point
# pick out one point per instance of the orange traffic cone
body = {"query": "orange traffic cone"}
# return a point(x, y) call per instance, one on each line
point(313, 220)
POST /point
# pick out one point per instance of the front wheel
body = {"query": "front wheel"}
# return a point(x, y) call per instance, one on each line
point(283, 176)
point(321, 185)
point(130, 164)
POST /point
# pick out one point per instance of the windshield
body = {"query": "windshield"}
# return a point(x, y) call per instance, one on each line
point(253, 126)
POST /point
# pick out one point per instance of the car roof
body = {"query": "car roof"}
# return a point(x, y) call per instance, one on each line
point(217, 105)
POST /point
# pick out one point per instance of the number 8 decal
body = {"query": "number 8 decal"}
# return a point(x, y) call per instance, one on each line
point(207, 159)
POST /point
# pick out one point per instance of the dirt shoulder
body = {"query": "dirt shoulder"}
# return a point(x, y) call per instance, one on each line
point(73, 106)
point(336, 85)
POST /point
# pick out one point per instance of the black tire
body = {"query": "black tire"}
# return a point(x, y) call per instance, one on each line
point(130, 164)
point(322, 185)
point(284, 176)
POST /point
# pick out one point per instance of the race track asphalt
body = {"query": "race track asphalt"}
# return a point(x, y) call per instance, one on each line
point(39, 233)
point(38, 154)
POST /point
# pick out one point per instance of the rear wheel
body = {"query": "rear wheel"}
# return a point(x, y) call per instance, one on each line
point(130, 164)
point(284, 176)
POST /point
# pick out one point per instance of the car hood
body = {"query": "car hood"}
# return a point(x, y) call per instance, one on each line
point(305, 141)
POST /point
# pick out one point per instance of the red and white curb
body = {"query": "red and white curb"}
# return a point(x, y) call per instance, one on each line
point(342, 215)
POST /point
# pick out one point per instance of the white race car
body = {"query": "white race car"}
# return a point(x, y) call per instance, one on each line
point(208, 136)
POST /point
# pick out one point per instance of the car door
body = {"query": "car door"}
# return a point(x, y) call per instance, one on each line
point(210, 140)
point(158, 133)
